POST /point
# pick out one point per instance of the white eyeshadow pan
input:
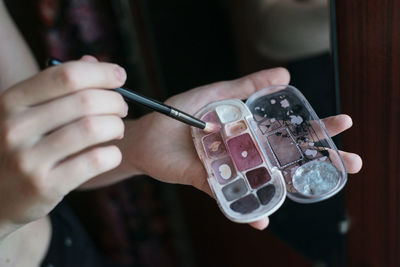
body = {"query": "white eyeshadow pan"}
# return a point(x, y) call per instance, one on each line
point(228, 113)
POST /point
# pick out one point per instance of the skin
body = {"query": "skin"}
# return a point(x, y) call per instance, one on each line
point(59, 132)
point(16, 60)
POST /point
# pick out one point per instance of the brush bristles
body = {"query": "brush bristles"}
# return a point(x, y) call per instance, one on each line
point(211, 127)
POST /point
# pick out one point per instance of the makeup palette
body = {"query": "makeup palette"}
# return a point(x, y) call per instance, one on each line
point(268, 148)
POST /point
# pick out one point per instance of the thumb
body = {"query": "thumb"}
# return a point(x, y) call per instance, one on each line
point(89, 58)
point(260, 224)
point(244, 87)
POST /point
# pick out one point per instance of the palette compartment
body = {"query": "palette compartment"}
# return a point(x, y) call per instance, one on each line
point(235, 190)
point(223, 169)
point(245, 205)
point(257, 177)
point(265, 194)
point(214, 145)
point(235, 128)
point(244, 152)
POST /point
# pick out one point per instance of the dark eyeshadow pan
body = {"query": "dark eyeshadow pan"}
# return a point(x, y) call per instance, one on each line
point(265, 194)
point(246, 204)
point(258, 177)
point(234, 190)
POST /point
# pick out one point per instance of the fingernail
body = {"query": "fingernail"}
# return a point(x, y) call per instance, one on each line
point(89, 58)
point(120, 73)
point(126, 109)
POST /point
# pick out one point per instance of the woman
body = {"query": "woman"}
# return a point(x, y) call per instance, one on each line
point(62, 129)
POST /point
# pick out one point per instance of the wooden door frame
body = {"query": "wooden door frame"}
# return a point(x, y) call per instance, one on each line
point(369, 68)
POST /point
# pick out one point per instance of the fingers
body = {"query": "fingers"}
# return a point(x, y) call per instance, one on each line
point(77, 170)
point(246, 86)
point(62, 80)
point(89, 58)
point(49, 125)
point(352, 161)
point(337, 124)
point(241, 88)
point(260, 224)
point(30, 125)
point(78, 136)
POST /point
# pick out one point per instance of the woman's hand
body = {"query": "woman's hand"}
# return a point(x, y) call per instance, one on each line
point(49, 124)
point(163, 148)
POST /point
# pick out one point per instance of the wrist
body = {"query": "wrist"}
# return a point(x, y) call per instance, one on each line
point(131, 148)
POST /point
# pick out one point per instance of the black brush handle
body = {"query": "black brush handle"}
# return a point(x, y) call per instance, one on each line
point(151, 103)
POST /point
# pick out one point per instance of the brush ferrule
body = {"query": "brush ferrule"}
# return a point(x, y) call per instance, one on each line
point(186, 118)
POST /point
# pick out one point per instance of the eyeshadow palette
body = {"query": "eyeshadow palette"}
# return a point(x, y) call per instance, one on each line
point(269, 147)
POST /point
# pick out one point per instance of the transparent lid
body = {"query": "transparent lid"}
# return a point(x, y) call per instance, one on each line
point(296, 142)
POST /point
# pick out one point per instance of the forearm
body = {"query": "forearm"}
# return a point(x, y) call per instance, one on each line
point(16, 60)
point(26, 246)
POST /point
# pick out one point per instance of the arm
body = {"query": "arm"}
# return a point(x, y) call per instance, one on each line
point(17, 64)
point(16, 60)
point(40, 135)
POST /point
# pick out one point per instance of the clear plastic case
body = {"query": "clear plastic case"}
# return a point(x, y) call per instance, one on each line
point(269, 147)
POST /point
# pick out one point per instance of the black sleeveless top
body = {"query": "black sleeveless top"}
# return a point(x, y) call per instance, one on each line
point(70, 245)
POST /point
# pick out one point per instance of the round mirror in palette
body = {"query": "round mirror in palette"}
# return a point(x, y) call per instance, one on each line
point(269, 147)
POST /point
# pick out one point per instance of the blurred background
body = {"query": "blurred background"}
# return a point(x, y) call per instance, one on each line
point(168, 47)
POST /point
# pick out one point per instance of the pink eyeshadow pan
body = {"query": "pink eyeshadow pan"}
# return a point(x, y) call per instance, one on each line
point(236, 128)
point(214, 145)
point(211, 117)
point(244, 153)
point(258, 177)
